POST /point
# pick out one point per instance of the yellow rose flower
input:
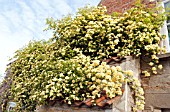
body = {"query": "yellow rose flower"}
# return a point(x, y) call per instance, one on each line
point(153, 68)
point(116, 42)
point(98, 81)
point(129, 72)
point(155, 72)
point(151, 63)
point(96, 62)
point(118, 68)
point(160, 67)
point(93, 78)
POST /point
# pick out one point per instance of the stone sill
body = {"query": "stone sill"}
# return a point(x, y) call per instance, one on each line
point(164, 55)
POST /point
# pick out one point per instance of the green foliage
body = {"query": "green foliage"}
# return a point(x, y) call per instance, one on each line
point(69, 65)
point(76, 79)
point(100, 36)
point(33, 70)
point(30, 62)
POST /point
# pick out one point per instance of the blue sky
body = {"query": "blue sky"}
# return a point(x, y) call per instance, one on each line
point(24, 20)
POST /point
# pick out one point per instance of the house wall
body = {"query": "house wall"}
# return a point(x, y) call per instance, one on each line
point(117, 5)
point(121, 5)
point(157, 87)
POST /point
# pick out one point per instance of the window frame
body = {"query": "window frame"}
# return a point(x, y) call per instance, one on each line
point(164, 2)
point(164, 30)
point(167, 22)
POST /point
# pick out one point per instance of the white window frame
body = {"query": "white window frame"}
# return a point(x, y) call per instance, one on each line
point(164, 30)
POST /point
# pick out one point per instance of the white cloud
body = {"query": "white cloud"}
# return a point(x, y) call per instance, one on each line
point(23, 20)
point(75, 4)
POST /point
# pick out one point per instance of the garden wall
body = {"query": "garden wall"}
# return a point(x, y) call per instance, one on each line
point(118, 103)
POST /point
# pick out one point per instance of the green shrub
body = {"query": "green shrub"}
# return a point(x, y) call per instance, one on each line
point(69, 66)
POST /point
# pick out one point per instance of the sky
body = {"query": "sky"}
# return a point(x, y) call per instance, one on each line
point(24, 20)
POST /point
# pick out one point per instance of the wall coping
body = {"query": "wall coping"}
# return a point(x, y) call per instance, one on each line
point(164, 55)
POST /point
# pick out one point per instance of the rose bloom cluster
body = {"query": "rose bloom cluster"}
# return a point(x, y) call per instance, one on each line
point(69, 66)
point(82, 78)
point(135, 85)
point(76, 79)
point(135, 32)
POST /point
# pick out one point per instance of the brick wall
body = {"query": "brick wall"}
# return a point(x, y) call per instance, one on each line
point(117, 5)
point(58, 107)
point(157, 87)
point(121, 5)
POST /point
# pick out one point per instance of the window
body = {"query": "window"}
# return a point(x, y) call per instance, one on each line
point(166, 27)
point(165, 110)
point(167, 9)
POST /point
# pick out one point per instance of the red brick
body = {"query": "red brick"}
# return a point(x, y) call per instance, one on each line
point(122, 5)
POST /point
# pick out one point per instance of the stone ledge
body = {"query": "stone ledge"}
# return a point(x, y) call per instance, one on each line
point(157, 90)
point(67, 108)
point(157, 100)
point(164, 55)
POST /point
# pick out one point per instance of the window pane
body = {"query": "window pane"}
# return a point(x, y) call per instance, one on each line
point(169, 32)
point(165, 110)
point(167, 8)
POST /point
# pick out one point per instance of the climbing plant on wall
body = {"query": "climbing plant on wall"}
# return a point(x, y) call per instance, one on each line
point(70, 65)
point(101, 36)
